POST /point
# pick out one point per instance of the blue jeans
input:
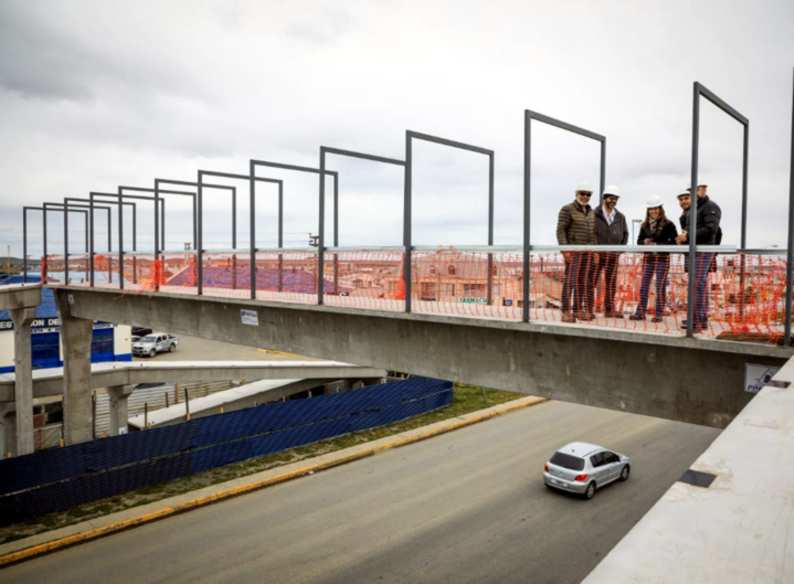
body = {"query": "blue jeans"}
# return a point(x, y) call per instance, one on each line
point(702, 264)
point(652, 266)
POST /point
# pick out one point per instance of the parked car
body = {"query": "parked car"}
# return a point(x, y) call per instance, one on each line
point(154, 343)
point(583, 468)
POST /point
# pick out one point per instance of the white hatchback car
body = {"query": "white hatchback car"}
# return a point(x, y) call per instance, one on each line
point(582, 468)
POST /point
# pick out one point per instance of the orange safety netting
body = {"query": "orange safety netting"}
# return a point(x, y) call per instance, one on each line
point(741, 297)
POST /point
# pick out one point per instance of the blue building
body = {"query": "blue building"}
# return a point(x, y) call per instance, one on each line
point(109, 343)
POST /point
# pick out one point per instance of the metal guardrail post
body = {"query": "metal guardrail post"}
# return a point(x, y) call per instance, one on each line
point(321, 231)
point(790, 246)
point(252, 229)
point(66, 243)
point(691, 298)
point(526, 215)
point(200, 232)
point(490, 266)
point(407, 218)
point(24, 245)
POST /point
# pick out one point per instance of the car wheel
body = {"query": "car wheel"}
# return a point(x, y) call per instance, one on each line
point(171, 348)
point(590, 492)
point(624, 473)
point(152, 353)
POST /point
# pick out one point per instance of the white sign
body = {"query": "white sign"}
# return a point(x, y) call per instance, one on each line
point(757, 376)
point(249, 317)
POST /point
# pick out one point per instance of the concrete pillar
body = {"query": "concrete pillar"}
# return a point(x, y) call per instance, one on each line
point(76, 342)
point(118, 408)
point(23, 379)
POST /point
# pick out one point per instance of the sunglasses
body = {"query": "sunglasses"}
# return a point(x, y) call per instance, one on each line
point(585, 194)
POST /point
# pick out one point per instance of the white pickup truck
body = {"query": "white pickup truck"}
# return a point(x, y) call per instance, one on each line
point(154, 343)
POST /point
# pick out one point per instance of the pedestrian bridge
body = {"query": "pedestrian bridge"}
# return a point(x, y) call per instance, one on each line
point(695, 379)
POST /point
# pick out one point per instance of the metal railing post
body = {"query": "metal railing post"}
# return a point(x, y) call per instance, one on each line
point(691, 298)
point(321, 232)
point(24, 245)
point(121, 241)
point(790, 243)
point(200, 232)
point(66, 243)
point(490, 266)
point(407, 235)
point(526, 214)
point(252, 227)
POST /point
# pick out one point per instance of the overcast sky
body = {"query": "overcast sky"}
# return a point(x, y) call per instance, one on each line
point(98, 94)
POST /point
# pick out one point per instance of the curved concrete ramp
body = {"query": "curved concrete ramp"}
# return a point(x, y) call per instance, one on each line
point(49, 382)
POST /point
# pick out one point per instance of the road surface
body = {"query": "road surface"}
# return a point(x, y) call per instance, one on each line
point(195, 348)
point(468, 506)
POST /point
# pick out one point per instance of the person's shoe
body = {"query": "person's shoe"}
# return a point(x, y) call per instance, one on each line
point(568, 317)
point(637, 317)
point(656, 319)
point(585, 315)
point(613, 314)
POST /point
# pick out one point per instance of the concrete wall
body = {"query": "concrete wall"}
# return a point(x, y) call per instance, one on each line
point(692, 380)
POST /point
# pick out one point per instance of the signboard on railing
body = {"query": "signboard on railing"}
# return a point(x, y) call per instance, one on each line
point(472, 300)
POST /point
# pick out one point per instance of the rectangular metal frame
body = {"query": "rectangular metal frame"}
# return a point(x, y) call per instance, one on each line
point(529, 115)
point(253, 163)
point(325, 150)
point(410, 136)
point(698, 91)
point(120, 203)
point(196, 210)
point(252, 180)
point(43, 210)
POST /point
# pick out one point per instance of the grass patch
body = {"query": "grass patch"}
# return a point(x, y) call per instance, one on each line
point(466, 399)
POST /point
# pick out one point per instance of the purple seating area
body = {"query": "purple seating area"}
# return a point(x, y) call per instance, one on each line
point(292, 279)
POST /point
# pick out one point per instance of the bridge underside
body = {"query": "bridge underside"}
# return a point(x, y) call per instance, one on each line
point(691, 380)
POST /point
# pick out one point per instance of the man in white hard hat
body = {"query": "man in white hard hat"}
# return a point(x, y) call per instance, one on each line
point(610, 229)
point(708, 232)
point(576, 226)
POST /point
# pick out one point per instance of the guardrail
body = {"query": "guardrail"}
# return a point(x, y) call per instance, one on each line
point(741, 293)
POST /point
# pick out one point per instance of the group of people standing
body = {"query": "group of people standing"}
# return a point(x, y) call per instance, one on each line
point(579, 224)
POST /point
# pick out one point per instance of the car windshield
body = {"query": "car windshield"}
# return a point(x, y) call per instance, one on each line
point(567, 461)
point(149, 339)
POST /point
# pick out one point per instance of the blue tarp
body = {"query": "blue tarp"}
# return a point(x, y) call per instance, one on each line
point(59, 478)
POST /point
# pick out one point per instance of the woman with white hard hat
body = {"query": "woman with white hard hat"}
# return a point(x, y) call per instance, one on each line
point(657, 229)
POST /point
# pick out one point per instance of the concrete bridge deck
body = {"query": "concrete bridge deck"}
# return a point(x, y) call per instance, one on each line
point(697, 380)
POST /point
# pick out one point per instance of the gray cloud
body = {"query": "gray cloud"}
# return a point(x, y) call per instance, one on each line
point(96, 94)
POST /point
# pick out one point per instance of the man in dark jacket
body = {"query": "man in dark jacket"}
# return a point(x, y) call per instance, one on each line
point(610, 229)
point(575, 226)
point(708, 232)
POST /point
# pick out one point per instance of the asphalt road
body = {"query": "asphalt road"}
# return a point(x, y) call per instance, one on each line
point(468, 506)
point(195, 348)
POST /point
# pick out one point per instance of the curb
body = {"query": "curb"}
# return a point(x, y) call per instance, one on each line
point(335, 459)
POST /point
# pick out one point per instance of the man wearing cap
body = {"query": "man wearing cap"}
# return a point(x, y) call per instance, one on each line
point(708, 232)
point(576, 226)
point(610, 229)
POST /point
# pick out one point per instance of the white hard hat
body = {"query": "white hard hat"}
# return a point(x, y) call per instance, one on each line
point(685, 192)
point(584, 187)
point(611, 190)
point(654, 202)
